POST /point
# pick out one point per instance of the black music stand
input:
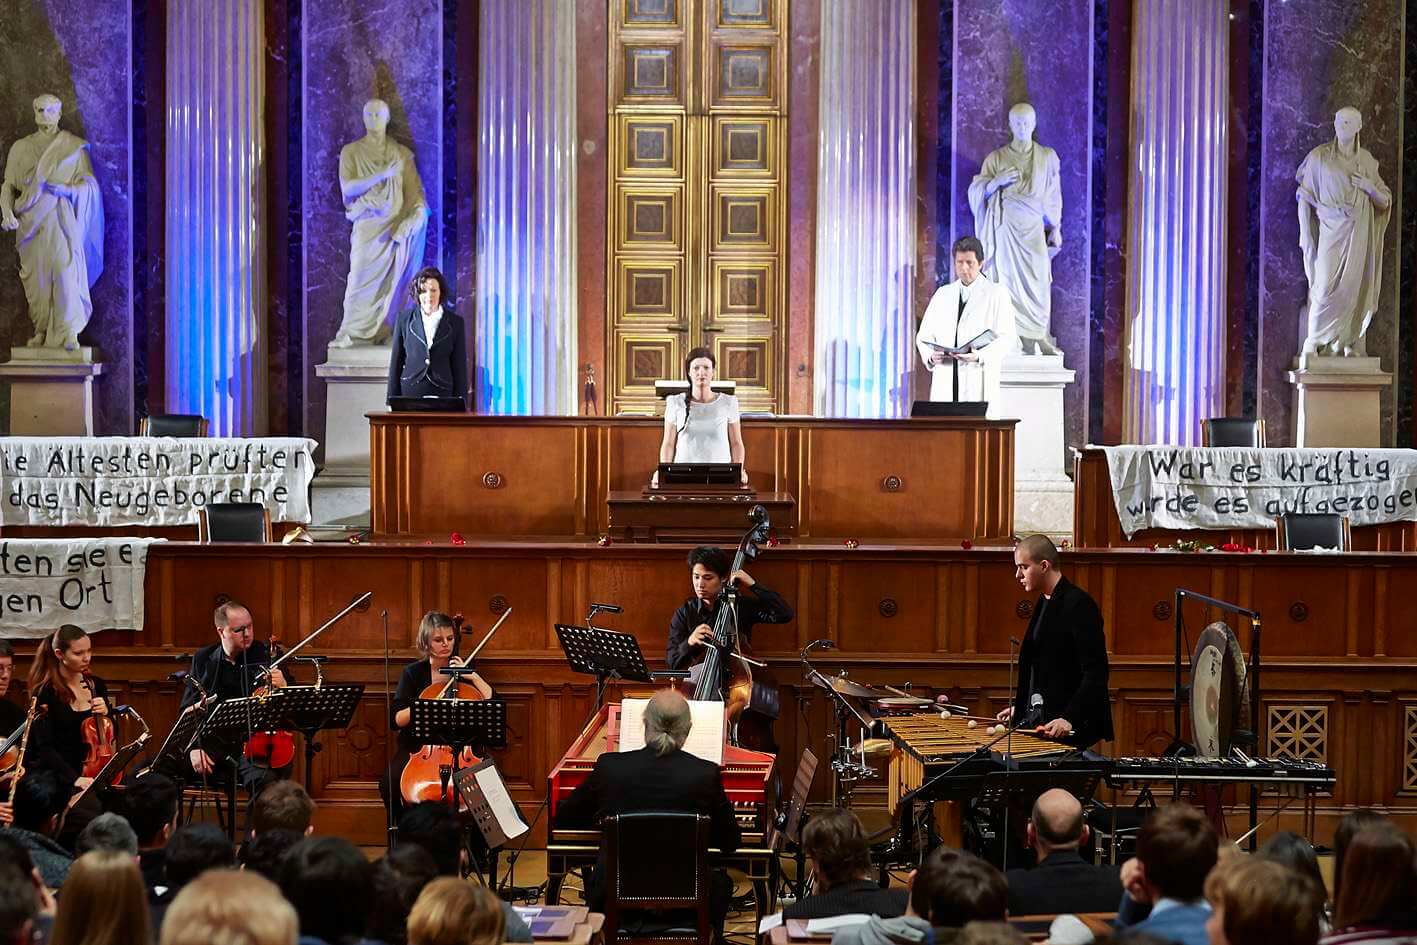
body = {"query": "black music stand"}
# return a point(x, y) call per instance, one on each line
point(310, 710)
point(115, 766)
point(230, 723)
point(493, 834)
point(171, 757)
point(459, 724)
point(604, 654)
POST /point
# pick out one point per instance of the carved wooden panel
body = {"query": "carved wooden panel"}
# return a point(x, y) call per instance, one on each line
point(650, 12)
point(652, 147)
point(745, 13)
point(744, 74)
point(1409, 749)
point(650, 73)
point(650, 290)
point(1298, 731)
point(744, 148)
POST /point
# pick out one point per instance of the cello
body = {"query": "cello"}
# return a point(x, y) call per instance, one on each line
point(427, 775)
point(750, 699)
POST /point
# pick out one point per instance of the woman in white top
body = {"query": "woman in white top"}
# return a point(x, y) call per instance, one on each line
point(701, 426)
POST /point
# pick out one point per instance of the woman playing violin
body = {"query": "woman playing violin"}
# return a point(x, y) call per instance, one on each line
point(437, 640)
point(69, 694)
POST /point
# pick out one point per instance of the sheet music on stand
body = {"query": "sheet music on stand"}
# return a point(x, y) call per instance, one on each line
point(490, 803)
point(171, 757)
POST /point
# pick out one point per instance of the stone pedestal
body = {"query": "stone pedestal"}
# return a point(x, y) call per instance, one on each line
point(1338, 401)
point(1031, 389)
point(356, 384)
point(51, 391)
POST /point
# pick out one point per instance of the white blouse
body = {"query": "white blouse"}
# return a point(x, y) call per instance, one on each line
point(705, 439)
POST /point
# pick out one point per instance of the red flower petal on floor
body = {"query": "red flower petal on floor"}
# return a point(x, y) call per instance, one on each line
point(966, 544)
point(457, 538)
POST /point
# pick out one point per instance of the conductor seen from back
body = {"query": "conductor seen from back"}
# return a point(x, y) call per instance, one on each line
point(692, 624)
point(1062, 665)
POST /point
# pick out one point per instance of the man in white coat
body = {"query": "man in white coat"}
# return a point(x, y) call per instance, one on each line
point(958, 312)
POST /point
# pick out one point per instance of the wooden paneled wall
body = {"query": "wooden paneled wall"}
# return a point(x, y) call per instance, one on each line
point(1339, 649)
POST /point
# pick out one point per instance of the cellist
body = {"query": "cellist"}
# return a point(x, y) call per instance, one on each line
point(232, 668)
point(437, 641)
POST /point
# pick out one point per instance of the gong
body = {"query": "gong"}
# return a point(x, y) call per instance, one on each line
point(1218, 692)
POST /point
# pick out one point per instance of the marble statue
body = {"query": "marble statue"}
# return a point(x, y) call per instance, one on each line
point(383, 198)
point(50, 198)
point(1017, 202)
point(1343, 212)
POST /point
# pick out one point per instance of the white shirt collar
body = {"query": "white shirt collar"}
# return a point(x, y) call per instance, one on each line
point(430, 322)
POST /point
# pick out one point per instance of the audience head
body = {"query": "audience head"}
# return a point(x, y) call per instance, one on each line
point(1258, 901)
point(283, 805)
point(225, 907)
point(1177, 847)
point(265, 852)
point(1057, 823)
point(151, 803)
point(107, 831)
point(19, 904)
point(40, 799)
point(667, 722)
point(399, 878)
point(836, 844)
point(1352, 823)
point(952, 888)
point(452, 911)
point(1289, 849)
point(434, 827)
point(1379, 882)
point(331, 885)
point(103, 903)
point(990, 933)
point(193, 850)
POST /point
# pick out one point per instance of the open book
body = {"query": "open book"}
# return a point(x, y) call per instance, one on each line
point(981, 340)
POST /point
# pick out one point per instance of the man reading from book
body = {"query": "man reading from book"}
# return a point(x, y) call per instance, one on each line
point(967, 330)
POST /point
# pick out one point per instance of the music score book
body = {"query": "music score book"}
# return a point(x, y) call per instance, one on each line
point(705, 730)
point(981, 340)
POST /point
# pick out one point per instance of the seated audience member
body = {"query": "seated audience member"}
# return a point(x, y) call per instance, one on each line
point(151, 804)
point(1353, 822)
point(840, 860)
point(283, 805)
point(18, 870)
point(108, 831)
point(948, 891)
point(265, 853)
point(331, 885)
point(1291, 850)
point(192, 851)
point(224, 906)
point(19, 906)
point(1377, 902)
point(990, 933)
point(455, 912)
point(1164, 882)
point(1255, 901)
point(434, 827)
point(1062, 881)
point(103, 903)
point(39, 809)
point(399, 879)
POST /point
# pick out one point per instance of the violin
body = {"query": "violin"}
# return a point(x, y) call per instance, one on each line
point(427, 776)
point(273, 748)
point(98, 733)
point(750, 701)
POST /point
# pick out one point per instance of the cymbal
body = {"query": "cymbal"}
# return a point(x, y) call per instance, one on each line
point(877, 747)
point(848, 688)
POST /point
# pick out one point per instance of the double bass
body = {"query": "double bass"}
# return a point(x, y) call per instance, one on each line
point(728, 673)
point(427, 775)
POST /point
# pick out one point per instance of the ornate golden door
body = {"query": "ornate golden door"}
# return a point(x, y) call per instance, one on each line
point(698, 199)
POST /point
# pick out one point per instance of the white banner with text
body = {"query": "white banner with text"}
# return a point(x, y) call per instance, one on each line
point(1230, 488)
point(153, 481)
point(93, 583)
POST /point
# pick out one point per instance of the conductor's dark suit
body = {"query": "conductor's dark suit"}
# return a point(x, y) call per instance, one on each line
point(1064, 658)
point(420, 369)
point(1063, 882)
point(635, 781)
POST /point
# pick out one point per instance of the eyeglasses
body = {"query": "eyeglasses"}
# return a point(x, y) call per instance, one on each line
point(245, 629)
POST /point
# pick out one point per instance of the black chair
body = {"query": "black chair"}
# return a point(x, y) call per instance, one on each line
point(172, 424)
point(657, 862)
point(1301, 531)
point(1232, 431)
point(234, 521)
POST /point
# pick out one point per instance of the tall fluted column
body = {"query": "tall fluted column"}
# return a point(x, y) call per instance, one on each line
point(1176, 246)
point(864, 313)
point(526, 196)
point(216, 280)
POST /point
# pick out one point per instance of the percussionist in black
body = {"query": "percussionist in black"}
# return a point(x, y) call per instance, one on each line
point(692, 623)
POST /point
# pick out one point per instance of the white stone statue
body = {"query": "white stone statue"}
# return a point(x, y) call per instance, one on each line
point(1343, 212)
point(1017, 202)
point(383, 198)
point(51, 200)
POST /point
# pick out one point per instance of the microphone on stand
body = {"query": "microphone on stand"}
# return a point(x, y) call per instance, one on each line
point(609, 608)
point(1034, 716)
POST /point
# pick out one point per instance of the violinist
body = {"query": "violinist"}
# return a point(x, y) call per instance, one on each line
point(692, 624)
point(11, 715)
point(437, 640)
point(68, 694)
point(232, 668)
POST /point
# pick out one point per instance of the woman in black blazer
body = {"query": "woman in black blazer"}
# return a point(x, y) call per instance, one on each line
point(424, 367)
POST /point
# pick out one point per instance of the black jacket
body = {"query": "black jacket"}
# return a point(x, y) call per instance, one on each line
point(1063, 882)
point(863, 895)
point(420, 369)
point(757, 605)
point(227, 680)
point(1065, 660)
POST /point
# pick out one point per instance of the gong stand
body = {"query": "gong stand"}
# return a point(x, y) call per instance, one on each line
point(1252, 679)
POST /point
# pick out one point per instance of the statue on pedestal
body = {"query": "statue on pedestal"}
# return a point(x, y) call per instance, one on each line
point(383, 198)
point(50, 199)
point(1343, 212)
point(1017, 202)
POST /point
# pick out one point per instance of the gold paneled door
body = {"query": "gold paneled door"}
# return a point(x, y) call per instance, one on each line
point(698, 197)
